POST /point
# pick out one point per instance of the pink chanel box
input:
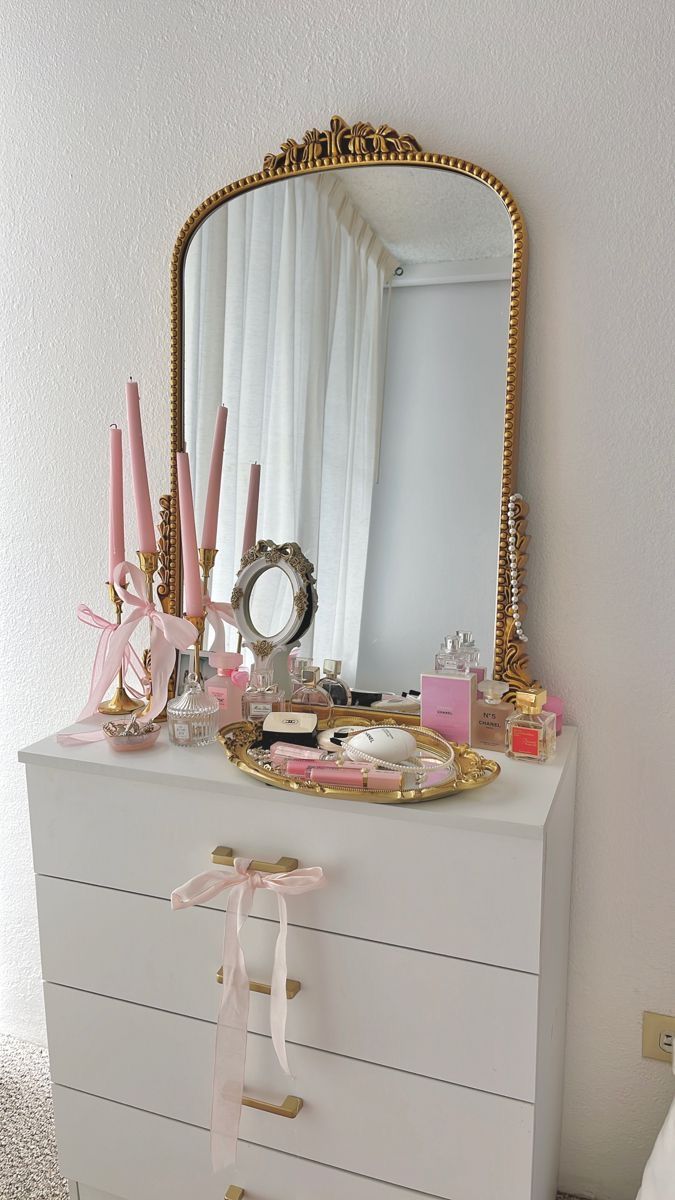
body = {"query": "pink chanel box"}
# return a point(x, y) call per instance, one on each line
point(446, 705)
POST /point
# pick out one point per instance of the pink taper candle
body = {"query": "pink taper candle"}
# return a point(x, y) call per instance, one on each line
point(139, 472)
point(251, 522)
point(210, 529)
point(116, 553)
point(194, 601)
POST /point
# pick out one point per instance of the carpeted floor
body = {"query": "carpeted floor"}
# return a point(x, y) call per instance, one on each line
point(28, 1169)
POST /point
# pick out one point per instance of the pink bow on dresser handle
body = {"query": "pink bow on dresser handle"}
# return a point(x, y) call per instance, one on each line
point(231, 1032)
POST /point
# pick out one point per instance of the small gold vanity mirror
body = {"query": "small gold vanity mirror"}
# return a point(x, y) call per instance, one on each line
point(358, 305)
point(274, 603)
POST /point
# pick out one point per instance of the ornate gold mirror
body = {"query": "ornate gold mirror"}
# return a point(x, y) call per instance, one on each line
point(358, 307)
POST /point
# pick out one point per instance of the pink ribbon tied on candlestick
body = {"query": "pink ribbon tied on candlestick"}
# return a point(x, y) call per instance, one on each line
point(230, 1054)
point(217, 615)
point(168, 634)
point(131, 663)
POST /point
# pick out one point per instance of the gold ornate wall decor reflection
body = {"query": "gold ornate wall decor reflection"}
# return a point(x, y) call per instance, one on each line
point(363, 144)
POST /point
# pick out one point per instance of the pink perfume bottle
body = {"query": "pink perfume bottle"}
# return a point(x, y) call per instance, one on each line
point(227, 686)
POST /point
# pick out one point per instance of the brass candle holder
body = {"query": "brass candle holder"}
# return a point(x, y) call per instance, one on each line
point(207, 558)
point(148, 561)
point(120, 703)
point(198, 623)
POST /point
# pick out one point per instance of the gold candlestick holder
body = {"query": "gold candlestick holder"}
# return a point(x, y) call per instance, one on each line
point(120, 703)
point(198, 623)
point(148, 561)
point(207, 558)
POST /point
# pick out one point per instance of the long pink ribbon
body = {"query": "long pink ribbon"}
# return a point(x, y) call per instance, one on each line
point(230, 1055)
point(131, 663)
point(218, 615)
point(168, 634)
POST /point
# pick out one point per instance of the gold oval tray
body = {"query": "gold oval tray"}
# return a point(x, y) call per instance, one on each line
point(473, 771)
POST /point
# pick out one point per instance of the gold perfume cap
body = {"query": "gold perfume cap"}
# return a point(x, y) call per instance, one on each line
point(332, 666)
point(310, 675)
point(531, 702)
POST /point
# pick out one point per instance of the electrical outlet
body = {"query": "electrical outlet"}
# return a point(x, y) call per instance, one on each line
point(658, 1031)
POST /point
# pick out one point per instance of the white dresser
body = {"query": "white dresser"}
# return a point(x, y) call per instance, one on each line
point(426, 1039)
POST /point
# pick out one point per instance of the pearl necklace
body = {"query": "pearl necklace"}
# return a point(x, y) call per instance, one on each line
point(513, 565)
point(446, 762)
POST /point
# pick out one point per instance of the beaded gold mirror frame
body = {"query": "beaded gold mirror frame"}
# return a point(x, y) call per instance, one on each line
point(361, 144)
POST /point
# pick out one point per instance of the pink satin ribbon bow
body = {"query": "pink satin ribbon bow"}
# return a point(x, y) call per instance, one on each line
point(230, 1055)
point(168, 634)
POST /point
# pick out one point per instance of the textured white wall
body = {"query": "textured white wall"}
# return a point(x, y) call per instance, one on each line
point(118, 118)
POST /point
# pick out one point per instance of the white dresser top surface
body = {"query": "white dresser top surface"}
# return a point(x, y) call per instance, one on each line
point(518, 802)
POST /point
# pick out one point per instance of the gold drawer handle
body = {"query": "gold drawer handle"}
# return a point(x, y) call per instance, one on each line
point(290, 1107)
point(223, 856)
point(235, 1193)
point(293, 986)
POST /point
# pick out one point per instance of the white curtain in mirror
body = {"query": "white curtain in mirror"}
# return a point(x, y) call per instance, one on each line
point(294, 346)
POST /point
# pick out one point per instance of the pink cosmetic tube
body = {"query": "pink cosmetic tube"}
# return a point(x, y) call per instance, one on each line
point(281, 752)
point(333, 775)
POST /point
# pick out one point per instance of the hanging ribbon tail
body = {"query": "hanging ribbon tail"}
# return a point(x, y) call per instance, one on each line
point(230, 1053)
point(217, 616)
point(168, 635)
point(110, 666)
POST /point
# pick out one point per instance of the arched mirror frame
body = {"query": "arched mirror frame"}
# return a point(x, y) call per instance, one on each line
point(361, 144)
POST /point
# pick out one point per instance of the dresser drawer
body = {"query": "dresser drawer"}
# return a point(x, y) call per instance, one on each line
point(118, 1153)
point(418, 1133)
point(458, 1021)
point(452, 891)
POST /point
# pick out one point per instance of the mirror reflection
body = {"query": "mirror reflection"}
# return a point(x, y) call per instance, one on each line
point(354, 322)
point(270, 602)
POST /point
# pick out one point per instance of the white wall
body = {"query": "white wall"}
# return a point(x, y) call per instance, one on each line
point(119, 117)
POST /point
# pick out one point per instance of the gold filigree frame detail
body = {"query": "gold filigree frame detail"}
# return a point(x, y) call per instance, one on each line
point(363, 144)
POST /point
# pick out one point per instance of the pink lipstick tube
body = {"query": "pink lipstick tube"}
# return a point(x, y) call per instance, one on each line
point(333, 775)
point(281, 752)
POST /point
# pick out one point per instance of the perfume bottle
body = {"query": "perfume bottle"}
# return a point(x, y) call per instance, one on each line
point(192, 717)
point(309, 697)
point(296, 665)
point(446, 659)
point(468, 654)
point(226, 685)
point(489, 716)
point(530, 732)
point(337, 688)
point(262, 697)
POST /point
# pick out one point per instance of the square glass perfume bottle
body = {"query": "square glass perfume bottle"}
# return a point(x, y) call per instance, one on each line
point(262, 697)
point(490, 714)
point(530, 732)
point(446, 658)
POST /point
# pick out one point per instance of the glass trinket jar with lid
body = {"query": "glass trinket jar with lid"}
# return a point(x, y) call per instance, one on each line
point(192, 717)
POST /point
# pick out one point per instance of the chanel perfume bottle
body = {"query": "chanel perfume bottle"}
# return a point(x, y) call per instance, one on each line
point(446, 659)
point(337, 688)
point(490, 713)
point(192, 717)
point(296, 665)
point(262, 697)
point(530, 732)
point(309, 697)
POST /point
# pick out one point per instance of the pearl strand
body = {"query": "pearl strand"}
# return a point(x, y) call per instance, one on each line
point(513, 565)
